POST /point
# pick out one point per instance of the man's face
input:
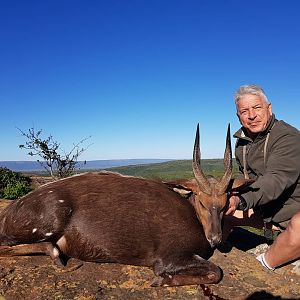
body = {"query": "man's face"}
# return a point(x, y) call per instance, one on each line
point(253, 113)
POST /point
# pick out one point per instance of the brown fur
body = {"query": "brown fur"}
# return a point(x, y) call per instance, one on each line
point(107, 217)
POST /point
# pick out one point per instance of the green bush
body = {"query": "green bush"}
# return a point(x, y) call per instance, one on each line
point(13, 185)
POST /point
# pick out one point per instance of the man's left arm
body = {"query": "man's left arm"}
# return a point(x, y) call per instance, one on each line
point(282, 171)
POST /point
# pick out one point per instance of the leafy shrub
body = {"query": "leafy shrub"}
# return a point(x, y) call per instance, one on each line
point(13, 185)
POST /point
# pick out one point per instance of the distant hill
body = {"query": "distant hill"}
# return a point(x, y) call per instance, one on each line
point(175, 169)
point(27, 166)
point(148, 168)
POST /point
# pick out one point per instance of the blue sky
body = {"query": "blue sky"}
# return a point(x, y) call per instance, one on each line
point(137, 76)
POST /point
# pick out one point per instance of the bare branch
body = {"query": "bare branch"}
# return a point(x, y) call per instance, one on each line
point(57, 165)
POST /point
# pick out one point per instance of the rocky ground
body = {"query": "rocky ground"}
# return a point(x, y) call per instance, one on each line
point(36, 277)
point(244, 278)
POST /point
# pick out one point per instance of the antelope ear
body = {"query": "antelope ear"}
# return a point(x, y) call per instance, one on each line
point(182, 192)
point(239, 184)
point(182, 187)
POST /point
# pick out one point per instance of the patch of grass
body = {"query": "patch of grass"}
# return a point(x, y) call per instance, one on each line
point(175, 169)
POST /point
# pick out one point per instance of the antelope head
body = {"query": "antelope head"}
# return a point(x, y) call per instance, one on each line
point(210, 197)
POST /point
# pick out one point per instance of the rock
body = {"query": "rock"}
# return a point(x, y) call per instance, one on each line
point(296, 267)
point(36, 277)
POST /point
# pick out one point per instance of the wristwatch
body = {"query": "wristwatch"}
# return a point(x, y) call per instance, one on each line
point(243, 204)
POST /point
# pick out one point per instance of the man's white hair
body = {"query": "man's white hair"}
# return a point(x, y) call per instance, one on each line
point(252, 89)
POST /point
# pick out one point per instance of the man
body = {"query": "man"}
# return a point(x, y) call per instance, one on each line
point(268, 151)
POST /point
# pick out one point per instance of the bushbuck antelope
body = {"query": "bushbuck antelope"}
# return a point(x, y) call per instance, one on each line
point(107, 217)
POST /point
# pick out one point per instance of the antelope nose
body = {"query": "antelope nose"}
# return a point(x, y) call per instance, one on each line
point(214, 240)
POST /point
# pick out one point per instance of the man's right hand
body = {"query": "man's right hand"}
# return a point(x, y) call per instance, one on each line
point(233, 203)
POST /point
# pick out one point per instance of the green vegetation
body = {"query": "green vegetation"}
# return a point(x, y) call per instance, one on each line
point(13, 185)
point(175, 169)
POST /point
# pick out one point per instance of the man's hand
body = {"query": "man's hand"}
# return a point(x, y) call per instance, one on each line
point(233, 203)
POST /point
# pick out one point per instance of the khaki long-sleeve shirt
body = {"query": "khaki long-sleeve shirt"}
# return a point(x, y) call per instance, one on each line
point(276, 168)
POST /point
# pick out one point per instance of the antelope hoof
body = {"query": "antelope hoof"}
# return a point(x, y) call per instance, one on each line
point(70, 268)
point(157, 281)
point(58, 262)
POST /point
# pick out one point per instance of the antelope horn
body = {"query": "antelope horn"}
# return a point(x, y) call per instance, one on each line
point(223, 184)
point(199, 175)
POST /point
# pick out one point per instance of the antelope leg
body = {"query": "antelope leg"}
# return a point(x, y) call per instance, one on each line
point(188, 271)
point(45, 248)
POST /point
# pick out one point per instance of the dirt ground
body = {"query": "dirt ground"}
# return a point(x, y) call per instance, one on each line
point(36, 278)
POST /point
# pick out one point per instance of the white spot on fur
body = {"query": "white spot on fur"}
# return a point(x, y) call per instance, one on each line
point(34, 230)
point(62, 244)
point(48, 233)
point(50, 192)
point(41, 240)
point(61, 201)
point(55, 252)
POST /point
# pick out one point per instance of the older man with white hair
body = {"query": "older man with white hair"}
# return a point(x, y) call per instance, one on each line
point(268, 151)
